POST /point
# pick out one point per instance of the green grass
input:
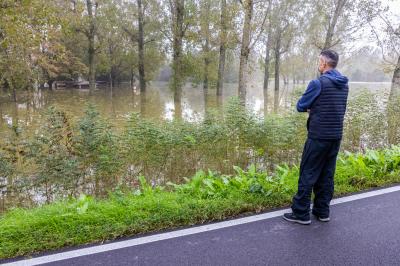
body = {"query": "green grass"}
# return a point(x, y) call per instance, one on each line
point(206, 197)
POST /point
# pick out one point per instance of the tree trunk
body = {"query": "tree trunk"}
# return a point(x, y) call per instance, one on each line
point(142, 79)
point(178, 32)
point(51, 84)
point(132, 80)
point(14, 95)
point(222, 49)
point(285, 79)
point(110, 79)
point(395, 87)
point(110, 54)
point(266, 72)
point(245, 50)
point(143, 105)
point(178, 105)
point(206, 102)
point(92, 73)
point(393, 108)
point(206, 46)
point(91, 52)
point(332, 23)
point(205, 82)
point(206, 50)
point(277, 72)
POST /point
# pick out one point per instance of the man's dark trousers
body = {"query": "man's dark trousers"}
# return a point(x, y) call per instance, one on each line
point(317, 170)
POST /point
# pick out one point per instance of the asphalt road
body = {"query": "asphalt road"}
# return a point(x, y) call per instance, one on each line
point(361, 232)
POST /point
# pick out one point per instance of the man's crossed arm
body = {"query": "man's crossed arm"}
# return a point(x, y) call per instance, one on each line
point(312, 92)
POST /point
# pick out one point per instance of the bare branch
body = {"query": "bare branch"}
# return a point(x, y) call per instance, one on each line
point(166, 35)
point(380, 44)
point(262, 25)
point(132, 35)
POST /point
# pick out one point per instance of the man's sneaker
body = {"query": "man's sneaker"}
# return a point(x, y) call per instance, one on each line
point(321, 218)
point(291, 217)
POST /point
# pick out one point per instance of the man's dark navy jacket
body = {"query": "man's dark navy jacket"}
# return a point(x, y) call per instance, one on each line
point(326, 98)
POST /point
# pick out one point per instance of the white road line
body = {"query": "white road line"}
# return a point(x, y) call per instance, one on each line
point(183, 232)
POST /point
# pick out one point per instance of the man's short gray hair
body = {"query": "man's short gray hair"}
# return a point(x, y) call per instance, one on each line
point(332, 58)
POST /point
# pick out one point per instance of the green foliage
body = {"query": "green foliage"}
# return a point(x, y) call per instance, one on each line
point(14, 162)
point(31, 50)
point(66, 158)
point(53, 154)
point(365, 123)
point(207, 196)
point(393, 121)
point(171, 150)
point(214, 185)
point(366, 169)
point(82, 204)
point(97, 150)
point(5, 165)
point(6, 170)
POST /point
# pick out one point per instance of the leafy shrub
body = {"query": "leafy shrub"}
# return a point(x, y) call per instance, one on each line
point(52, 151)
point(67, 158)
point(98, 151)
point(364, 124)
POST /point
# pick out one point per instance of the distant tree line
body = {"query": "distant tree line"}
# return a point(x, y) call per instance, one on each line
point(201, 41)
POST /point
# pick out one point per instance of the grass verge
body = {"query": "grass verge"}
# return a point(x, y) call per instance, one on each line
point(206, 197)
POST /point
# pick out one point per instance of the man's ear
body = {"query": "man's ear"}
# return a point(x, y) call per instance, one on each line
point(323, 61)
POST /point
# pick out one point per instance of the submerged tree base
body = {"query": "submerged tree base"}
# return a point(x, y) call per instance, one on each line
point(204, 198)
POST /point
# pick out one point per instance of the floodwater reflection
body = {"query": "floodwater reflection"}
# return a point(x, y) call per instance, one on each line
point(157, 103)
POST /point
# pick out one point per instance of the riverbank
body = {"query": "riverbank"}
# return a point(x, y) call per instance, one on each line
point(205, 197)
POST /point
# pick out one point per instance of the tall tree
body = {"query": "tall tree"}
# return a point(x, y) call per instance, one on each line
point(222, 48)
point(332, 21)
point(395, 87)
point(394, 103)
point(284, 23)
point(205, 28)
point(278, 51)
point(90, 33)
point(31, 50)
point(246, 43)
point(205, 33)
point(267, 62)
point(178, 31)
point(389, 42)
point(111, 49)
point(245, 49)
point(142, 79)
point(140, 20)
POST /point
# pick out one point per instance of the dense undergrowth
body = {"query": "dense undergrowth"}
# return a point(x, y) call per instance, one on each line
point(68, 157)
point(207, 196)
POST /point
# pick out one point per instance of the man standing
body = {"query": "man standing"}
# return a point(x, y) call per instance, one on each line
point(325, 100)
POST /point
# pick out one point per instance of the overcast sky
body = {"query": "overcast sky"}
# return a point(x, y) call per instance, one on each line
point(394, 5)
point(365, 37)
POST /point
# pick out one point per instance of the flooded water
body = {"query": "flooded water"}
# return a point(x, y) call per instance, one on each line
point(157, 103)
